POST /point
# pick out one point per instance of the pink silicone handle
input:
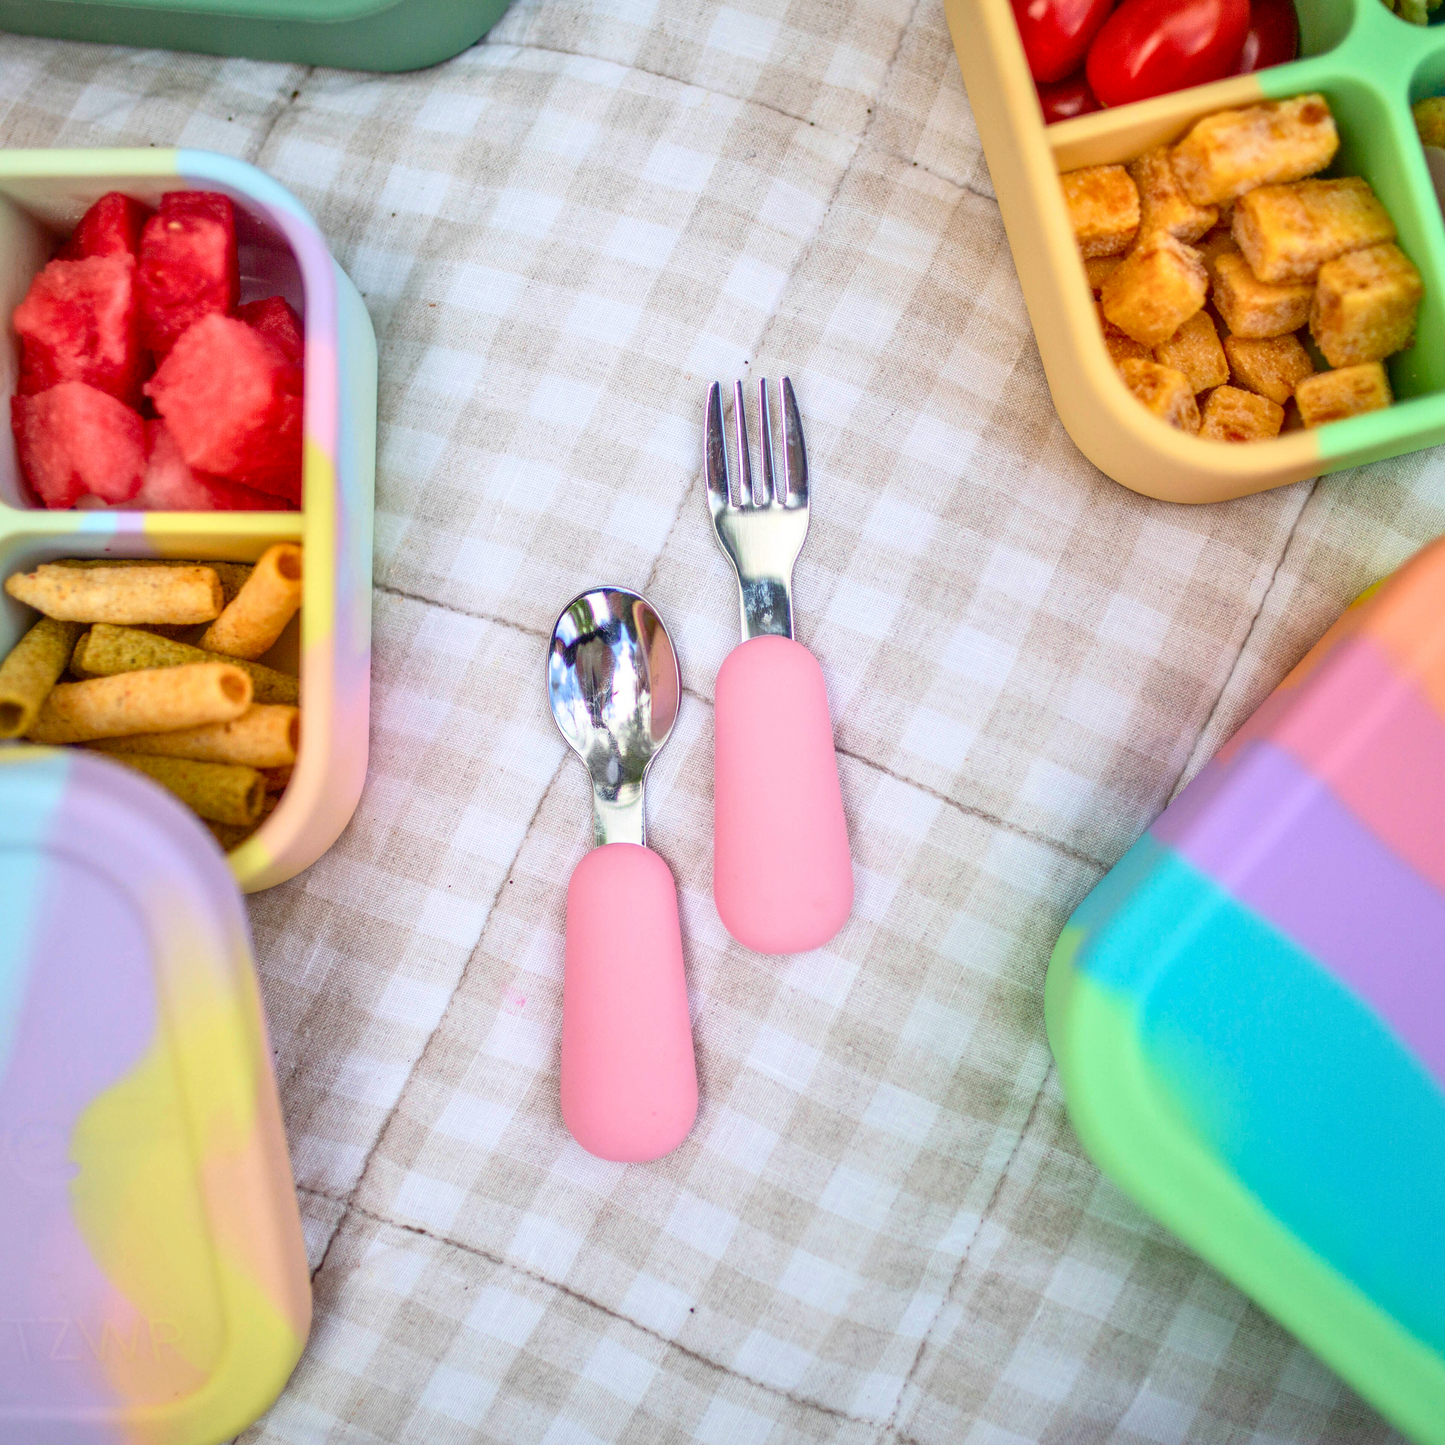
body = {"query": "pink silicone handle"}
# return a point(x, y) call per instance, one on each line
point(629, 1079)
point(782, 877)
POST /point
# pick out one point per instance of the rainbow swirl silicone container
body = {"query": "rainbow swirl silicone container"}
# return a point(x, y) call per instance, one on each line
point(42, 194)
point(1248, 1012)
point(153, 1284)
point(1370, 65)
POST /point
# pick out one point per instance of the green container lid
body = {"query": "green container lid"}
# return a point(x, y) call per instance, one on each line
point(348, 34)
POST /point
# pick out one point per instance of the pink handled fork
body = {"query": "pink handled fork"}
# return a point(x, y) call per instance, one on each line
point(782, 872)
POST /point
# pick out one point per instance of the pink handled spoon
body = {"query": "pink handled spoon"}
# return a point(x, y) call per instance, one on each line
point(782, 874)
point(629, 1077)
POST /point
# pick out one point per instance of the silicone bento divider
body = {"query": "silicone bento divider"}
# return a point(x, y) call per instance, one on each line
point(335, 522)
point(1362, 58)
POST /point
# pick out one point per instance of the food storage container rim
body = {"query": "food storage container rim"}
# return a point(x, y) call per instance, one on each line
point(36, 781)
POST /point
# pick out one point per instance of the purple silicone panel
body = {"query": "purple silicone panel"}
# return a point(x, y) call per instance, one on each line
point(82, 1027)
point(1276, 838)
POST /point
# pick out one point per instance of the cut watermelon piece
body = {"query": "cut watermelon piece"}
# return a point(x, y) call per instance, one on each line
point(111, 227)
point(233, 403)
point(188, 265)
point(74, 440)
point(276, 319)
point(171, 484)
point(78, 322)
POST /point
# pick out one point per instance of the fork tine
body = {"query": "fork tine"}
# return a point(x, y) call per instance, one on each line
point(763, 496)
point(795, 455)
point(740, 435)
point(715, 451)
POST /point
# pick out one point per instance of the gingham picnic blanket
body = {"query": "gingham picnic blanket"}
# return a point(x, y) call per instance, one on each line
point(882, 1228)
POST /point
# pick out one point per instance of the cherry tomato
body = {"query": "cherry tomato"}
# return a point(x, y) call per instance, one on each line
point(1056, 33)
point(1150, 47)
point(1273, 36)
point(1065, 99)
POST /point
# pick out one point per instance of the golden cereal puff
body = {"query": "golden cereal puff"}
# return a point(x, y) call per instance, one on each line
point(1232, 151)
point(1430, 120)
point(1158, 286)
point(1165, 391)
point(1103, 208)
point(1334, 395)
point(1195, 350)
point(1219, 242)
point(1251, 307)
point(1163, 206)
point(1121, 347)
point(1232, 415)
point(1365, 305)
point(1098, 269)
point(1272, 366)
point(1288, 232)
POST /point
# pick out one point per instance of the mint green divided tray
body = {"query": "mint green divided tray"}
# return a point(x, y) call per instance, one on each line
point(1370, 65)
point(349, 34)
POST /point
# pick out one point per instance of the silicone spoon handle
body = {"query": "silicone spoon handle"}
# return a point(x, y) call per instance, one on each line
point(782, 876)
point(629, 1078)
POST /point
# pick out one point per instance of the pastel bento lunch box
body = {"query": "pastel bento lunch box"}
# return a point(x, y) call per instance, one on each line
point(1370, 65)
point(42, 195)
point(1248, 1012)
point(153, 1280)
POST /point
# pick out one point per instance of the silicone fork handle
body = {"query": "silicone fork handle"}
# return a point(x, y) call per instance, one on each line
point(629, 1078)
point(782, 876)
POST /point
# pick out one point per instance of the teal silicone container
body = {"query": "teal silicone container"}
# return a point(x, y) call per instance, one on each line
point(348, 34)
point(1248, 1011)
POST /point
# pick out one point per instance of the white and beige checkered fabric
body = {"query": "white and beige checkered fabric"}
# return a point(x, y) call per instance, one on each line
point(882, 1229)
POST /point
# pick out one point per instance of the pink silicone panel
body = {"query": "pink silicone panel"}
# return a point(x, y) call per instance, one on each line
point(629, 1078)
point(782, 875)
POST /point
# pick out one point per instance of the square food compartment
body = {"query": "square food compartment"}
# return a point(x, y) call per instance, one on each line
point(42, 196)
point(1362, 58)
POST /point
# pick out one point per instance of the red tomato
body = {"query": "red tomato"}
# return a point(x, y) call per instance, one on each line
point(1065, 99)
point(1273, 36)
point(1150, 47)
point(1056, 33)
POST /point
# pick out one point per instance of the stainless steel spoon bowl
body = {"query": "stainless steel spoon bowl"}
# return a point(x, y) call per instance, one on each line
point(613, 681)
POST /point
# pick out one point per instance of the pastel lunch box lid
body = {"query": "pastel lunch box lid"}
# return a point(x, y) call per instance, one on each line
point(153, 1281)
point(1248, 1011)
point(347, 34)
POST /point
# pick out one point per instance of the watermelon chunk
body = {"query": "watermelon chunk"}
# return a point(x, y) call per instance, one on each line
point(111, 227)
point(233, 403)
point(276, 319)
point(188, 265)
point(78, 322)
point(171, 484)
point(74, 440)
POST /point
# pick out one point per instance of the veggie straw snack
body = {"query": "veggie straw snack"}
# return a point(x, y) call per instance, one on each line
point(154, 663)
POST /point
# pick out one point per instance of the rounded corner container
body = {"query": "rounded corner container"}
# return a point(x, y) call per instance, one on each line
point(346, 34)
point(42, 195)
point(1248, 1011)
point(154, 1287)
point(1370, 66)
